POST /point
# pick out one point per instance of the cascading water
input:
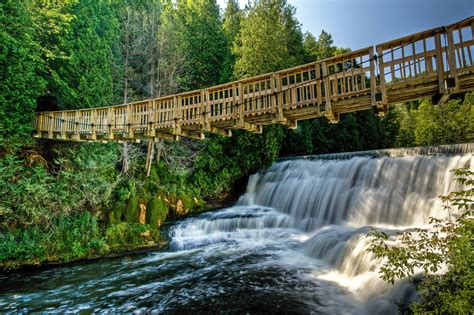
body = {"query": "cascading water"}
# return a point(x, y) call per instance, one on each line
point(296, 242)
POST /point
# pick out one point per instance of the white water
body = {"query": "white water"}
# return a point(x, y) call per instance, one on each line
point(314, 215)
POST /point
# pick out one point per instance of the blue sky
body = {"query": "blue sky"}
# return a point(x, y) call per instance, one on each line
point(361, 23)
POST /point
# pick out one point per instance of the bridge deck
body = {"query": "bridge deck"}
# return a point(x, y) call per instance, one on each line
point(432, 63)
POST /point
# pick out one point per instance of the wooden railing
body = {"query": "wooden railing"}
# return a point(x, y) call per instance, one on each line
point(432, 63)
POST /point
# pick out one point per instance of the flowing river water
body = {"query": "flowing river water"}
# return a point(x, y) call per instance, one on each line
point(294, 243)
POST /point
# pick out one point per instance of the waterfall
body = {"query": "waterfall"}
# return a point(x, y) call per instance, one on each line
point(336, 199)
point(316, 213)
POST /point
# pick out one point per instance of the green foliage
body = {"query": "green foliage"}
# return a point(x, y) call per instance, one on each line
point(80, 177)
point(226, 160)
point(449, 243)
point(156, 212)
point(67, 239)
point(204, 43)
point(422, 123)
point(20, 64)
point(356, 131)
point(131, 212)
point(124, 235)
point(270, 39)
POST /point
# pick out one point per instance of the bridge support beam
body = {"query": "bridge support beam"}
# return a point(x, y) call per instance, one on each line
point(221, 132)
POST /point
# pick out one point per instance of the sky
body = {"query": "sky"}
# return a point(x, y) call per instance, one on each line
point(361, 23)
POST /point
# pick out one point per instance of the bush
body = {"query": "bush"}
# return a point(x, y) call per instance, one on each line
point(68, 238)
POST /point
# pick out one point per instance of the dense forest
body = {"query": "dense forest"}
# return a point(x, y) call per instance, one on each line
point(62, 201)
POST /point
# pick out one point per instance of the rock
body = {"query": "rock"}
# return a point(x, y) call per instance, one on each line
point(142, 215)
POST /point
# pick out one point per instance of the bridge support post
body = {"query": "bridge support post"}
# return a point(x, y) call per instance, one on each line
point(77, 130)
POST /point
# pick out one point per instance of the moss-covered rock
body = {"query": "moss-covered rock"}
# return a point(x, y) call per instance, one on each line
point(123, 235)
point(157, 211)
point(132, 210)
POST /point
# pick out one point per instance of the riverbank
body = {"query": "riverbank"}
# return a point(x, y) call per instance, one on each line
point(87, 236)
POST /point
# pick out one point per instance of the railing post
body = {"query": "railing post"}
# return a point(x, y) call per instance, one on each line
point(129, 121)
point(279, 99)
point(63, 125)
point(110, 114)
point(39, 124)
point(77, 127)
point(240, 108)
point(319, 82)
point(177, 114)
point(330, 115)
point(373, 82)
point(50, 125)
point(93, 124)
point(439, 63)
point(152, 114)
point(205, 126)
point(452, 60)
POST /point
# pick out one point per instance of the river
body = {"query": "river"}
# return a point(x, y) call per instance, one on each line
point(295, 242)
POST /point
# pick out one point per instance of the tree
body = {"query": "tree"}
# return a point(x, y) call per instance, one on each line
point(86, 78)
point(231, 27)
point(270, 39)
point(449, 243)
point(20, 65)
point(204, 44)
point(321, 48)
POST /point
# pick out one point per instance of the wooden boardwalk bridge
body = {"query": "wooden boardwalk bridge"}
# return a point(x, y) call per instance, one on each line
point(434, 63)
